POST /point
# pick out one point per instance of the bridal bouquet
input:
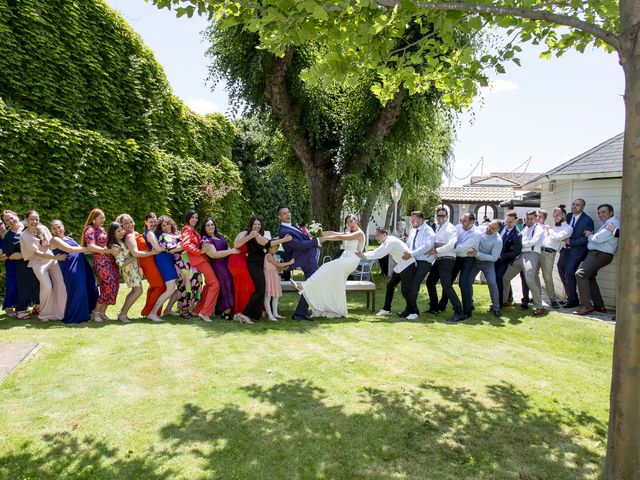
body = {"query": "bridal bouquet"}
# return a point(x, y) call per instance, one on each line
point(315, 229)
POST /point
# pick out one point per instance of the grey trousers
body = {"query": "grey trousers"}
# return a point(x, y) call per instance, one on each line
point(527, 263)
point(547, 262)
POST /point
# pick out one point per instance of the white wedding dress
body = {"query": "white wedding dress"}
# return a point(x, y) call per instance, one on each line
point(325, 291)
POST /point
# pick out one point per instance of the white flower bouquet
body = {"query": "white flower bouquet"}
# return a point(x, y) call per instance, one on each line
point(315, 229)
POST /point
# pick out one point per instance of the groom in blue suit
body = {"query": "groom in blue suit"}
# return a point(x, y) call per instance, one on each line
point(303, 249)
point(574, 251)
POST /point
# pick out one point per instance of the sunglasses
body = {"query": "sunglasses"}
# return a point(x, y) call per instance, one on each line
point(441, 216)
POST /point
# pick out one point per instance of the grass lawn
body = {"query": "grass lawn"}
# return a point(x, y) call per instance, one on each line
point(359, 398)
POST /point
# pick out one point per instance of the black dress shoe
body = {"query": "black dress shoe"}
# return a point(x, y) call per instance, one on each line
point(458, 317)
point(403, 314)
point(524, 305)
point(555, 304)
point(496, 313)
point(570, 305)
point(302, 317)
point(435, 311)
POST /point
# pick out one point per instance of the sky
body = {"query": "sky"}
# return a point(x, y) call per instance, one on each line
point(547, 110)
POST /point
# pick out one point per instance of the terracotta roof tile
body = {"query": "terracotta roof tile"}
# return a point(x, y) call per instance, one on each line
point(475, 194)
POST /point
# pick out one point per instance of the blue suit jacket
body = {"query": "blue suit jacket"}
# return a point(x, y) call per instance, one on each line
point(577, 241)
point(301, 247)
point(511, 246)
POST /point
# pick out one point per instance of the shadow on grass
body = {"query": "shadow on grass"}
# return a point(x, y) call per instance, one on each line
point(66, 455)
point(432, 432)
point(435, 433)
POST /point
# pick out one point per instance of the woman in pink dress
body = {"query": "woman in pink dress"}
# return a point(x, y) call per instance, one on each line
point(34, 244)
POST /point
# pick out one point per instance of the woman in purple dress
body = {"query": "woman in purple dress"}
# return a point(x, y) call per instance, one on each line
point(216, 248)
point(82, 289)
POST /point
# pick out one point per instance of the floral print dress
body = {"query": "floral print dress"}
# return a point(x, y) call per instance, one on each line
point(131, 271)
point(189, 279)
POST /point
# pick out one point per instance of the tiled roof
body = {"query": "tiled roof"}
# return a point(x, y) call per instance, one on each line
point(475, 194)
point(518, 178)
point(603, 158)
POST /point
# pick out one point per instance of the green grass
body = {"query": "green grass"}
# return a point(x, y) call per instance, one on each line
point(359, 398)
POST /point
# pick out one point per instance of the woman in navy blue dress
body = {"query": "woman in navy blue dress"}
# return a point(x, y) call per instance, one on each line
point(28, 284)
point(82, 289)
point(11, 283)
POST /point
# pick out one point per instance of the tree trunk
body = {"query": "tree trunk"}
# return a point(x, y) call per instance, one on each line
point(367, 209)
point(622, 461)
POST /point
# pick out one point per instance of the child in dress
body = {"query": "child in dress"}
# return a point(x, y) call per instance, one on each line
point(129, 269)
point(273, 289)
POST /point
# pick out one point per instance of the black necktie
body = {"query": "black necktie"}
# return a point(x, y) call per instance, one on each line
point(413, 246)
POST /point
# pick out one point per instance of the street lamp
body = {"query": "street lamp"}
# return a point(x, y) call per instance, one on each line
point(396, 193)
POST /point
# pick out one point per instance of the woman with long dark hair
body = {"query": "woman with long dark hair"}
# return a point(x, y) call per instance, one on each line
point(191, 240)
point(256, 244)
point(216, 248)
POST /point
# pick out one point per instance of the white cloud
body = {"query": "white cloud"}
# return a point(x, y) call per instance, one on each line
point(201, 106)
point(499, 86)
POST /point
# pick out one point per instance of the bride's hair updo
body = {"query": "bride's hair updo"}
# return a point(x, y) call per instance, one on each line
point(351, 216)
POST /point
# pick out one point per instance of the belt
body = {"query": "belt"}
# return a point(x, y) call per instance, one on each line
point(549, 250)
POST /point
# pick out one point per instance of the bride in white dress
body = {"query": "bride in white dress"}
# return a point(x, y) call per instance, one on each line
point(325, 290)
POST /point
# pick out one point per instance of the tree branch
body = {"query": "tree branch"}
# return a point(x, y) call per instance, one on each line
point(607, 37)
point(283, 107)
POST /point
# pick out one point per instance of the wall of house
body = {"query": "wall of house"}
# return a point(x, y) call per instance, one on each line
point(595, 192)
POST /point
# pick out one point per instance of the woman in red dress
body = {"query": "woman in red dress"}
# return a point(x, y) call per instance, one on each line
point(243, 286)
point(190, 240)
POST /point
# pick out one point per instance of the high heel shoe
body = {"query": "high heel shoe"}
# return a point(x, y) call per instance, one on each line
point(96, 317)
point(154, 318)
point(123, 318)
point(205, 318)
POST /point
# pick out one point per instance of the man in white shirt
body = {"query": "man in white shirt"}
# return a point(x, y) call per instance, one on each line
point(421, 239)
point(403, 272)
point(466, 246)
point(601, 246)
point(442, 269)
point(551, 245)
point(532, 238)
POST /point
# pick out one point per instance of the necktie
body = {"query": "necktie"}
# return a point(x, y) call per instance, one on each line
point(413, 245)
point(573, 222)
point(532, 231)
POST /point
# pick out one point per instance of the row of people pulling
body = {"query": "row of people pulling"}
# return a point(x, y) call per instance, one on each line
point(501, 252)
point(48, 270)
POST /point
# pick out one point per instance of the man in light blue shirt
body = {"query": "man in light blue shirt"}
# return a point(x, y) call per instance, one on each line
point(488, 252)
point(601, 246)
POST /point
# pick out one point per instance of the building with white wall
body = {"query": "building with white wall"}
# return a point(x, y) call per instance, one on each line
point(596, 177)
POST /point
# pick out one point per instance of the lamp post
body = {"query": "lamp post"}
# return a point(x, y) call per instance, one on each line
point(396, 193)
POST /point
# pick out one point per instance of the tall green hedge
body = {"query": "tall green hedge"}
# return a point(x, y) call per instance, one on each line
point(80, 62)
point(87, 119)
point(65, 172)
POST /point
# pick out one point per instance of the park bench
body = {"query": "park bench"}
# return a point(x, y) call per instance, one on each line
point(352, 286)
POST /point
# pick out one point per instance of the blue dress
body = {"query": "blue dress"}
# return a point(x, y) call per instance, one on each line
point(164, 260)
point(11, 292)
point(82, 290)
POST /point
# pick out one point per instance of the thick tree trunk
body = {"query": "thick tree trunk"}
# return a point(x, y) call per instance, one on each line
point(623, 444)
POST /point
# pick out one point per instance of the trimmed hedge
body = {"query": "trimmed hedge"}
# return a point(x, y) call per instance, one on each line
point(64, 173)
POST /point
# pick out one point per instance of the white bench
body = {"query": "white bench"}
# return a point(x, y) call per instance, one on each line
point(352, 286)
